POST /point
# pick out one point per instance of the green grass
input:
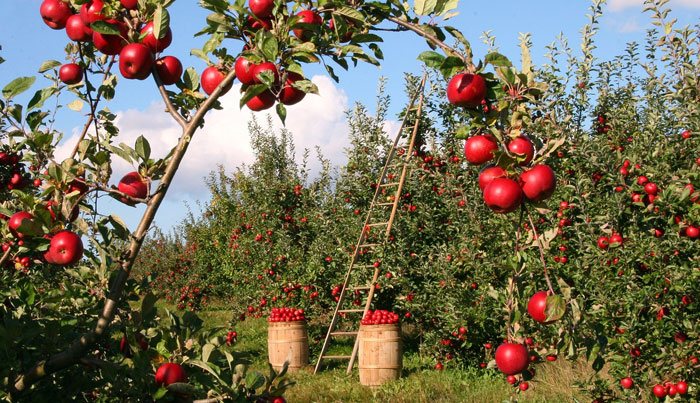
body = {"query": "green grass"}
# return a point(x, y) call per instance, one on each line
point(419, 383)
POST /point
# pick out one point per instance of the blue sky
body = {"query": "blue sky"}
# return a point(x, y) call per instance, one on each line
point(318, 120)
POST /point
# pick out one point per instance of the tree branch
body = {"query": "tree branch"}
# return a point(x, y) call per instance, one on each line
point(433, 39)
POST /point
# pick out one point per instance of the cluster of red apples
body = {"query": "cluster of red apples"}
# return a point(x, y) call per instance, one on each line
point(138, 46)
point(380, 317)
point(286, 314)
point(503, 192)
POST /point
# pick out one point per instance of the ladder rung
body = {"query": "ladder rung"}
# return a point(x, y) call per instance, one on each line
point(377, 224)
point(364, 266)
point(351, 310)
point(344, 333)
point(360, 288)
point(389, 184)
point(370, 245)
point(384, 204)
point(335, 357)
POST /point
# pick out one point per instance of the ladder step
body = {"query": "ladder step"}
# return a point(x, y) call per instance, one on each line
point(351, 310)
point(377, 224)
point(335, 357)
point(370, 245)
point(360, 288)
point(344, 333)
point(384, 185)
point(384, 204)
point(364, 266)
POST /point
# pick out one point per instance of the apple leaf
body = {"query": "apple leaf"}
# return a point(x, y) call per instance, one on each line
point(556, 307)
point(281, 111)
point(362, 38)
point(457, 34)
point(497, 59)
point(306, 86)
point(431, 59)
point(252, 91)
point(48, 65)
point(181, 388)
point(142, 148)
point(40, 97)
point(161, 22)
point(76, 105)
point(425, 7)
point(17, 86)
point(268, 44)
point(350, 13)
point(254, 380)
point(105, 28)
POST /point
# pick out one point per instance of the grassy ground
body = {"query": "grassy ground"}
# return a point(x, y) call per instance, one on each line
point(553, 383)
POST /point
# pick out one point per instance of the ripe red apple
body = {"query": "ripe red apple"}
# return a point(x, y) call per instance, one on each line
point(211, 78)
point(169, 69)
point(307, 17)
point(135, 61)
point(692, 232)
point(70, 73)
point(261, 8)
point(522, 147)
point(616, 239)
point(524, 386)
point(651, 189)
point(626, 383)
point(290, 95)
point(479, 149)
point(466, 90)
point(537, 306)
point(503, 195)
point(156, 44)
point(55, 13)
point(129, 4)
point(686, 134)
point(92, 11)
point(169, 373)
point(244, 70)
point(257, 23)
point(682, 387)
point(659, 391)
point(603, 242)
point(111, 44)
point(132, 184)
point(263, 67)
point(262, 101)
point(538, 183)
point(65, 249)
point(489, 174)
point(512, 358)
point(77, 30)
point(16, 221)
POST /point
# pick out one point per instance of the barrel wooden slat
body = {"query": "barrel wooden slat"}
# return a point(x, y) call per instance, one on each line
point(379, 355)
point(288, 341)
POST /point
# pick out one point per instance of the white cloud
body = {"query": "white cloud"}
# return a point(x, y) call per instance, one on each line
point(619, 5)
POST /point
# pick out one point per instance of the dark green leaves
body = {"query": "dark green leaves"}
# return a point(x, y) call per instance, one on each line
point(161, 22)
point(105, 28)
point(17, 86)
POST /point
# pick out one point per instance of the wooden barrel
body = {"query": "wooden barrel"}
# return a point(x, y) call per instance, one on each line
point(379, 354)
point(288, 341)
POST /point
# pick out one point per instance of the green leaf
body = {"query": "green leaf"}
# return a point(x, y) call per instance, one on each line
point(17, 86)
point(105, 28)
point(142, 148)
point(191, 79)
point(268, 45)
point(48, 65)
point(350, 13)
point(362, 38)
point(254, 380)
point(556, 307)
point(120, 228)
point(281, 112)
point(204, 366)
point(40, 97)
point(161, 22)
point(497, 59)
point(206, 351)
point(148, 307)
point(252, 91)
point(425, 7)
point(431, 59)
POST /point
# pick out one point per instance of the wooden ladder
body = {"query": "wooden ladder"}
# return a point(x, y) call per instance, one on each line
point(399, 156)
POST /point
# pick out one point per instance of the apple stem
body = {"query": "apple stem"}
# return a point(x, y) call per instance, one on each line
point(541, 248)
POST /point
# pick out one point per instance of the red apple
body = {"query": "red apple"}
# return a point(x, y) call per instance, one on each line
point(479, 149)
point(257, 23)
point(261, 8)
point(129, 4)
point(503, 195)
point(682, 387)
point(692, 232)
point(616, 239)
point(77, 30)
point(262, 101)
point(16, 221)
point(65, 249)
point(211, 78)
point(111, 44)
point(92, 11)
point(263, 67)
point(512, 358)
point(651, 189)
point(538, 183)
point(466, 90)
point(135, 61)
point(537, 306)
point(489, 174)
point(289, 94)
point(169, 69)
point(132, 184)
point(55, 13)
point(659, 391)
point(244, 70)
point(169, 373)
point(626, 383)
point(522, 147)
point(603, 242)
point(156, 44)
point(309, 17)
point(70, 73)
